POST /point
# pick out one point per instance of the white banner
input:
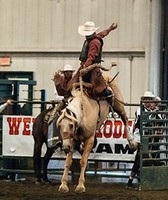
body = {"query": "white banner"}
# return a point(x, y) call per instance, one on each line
point(111, 139)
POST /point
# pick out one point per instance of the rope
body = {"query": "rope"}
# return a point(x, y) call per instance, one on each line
point(81, 85)
point(114, 77)
point(95, 65)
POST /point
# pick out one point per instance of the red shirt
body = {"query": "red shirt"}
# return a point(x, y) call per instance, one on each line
point(61, 83)
point(94, 48)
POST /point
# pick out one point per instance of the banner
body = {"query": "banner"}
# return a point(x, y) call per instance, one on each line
point(111, 140)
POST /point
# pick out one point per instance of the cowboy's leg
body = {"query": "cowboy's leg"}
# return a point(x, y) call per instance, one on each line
point(98, 82)
point(100, 87)
point(56, 109)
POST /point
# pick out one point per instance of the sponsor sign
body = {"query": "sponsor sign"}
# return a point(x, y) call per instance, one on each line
point(111, 139)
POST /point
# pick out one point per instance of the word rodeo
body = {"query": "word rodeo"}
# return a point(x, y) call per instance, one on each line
point(112, 138)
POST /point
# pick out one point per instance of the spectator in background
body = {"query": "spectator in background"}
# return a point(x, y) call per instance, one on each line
point(3, 106)
point(147, 106)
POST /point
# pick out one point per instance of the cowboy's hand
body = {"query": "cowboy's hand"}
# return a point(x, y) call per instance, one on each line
point(113, 26)
point(113, 64)
point(57, 77)
point(9, 102)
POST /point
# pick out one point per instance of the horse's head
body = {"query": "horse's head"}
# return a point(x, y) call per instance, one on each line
point(67, 124)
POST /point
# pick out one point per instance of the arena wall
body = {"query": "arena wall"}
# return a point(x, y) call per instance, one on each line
point(41, 36)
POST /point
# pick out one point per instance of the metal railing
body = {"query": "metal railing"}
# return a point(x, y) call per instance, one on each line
point(154, 147)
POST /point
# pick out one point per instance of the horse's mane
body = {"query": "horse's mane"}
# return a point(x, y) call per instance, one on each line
point(73, 110)
point(75, 92)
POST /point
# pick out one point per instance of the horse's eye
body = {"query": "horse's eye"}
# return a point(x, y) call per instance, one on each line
point(71, 126)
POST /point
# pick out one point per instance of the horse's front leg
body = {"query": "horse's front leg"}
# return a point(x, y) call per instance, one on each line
point(68, 162)
point(80, 188)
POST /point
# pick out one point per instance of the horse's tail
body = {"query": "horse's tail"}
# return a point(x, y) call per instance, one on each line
point(122, 102)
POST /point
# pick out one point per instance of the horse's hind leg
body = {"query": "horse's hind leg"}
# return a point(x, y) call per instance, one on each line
point(37, 160)
point(119, 108)
point(46, 159)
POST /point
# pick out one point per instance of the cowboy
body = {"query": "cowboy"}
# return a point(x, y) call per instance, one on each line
point(62, 93)
point(92, 53)
point(61, 80)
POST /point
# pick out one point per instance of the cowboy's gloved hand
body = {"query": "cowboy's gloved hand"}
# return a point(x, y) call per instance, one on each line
point(113, 64)
point(57, 77)
point(113, 26)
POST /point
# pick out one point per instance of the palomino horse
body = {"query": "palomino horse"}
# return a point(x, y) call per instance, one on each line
point(40, 135)
point(78, 123)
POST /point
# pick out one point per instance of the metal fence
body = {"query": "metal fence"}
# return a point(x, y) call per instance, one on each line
point(154, 147)
point(101, 169)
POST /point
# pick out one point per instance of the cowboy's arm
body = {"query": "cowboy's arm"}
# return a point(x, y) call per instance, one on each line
point(104, 33)
point(3, 106)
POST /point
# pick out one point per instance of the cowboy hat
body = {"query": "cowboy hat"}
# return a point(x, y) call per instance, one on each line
point(87, 29)
point(67, 68)
point(158, 98)
point(148, 94)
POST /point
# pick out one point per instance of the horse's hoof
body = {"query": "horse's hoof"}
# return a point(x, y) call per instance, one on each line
point(46, 181)
point(80, 189)
point(63, 189)
point(38, 182)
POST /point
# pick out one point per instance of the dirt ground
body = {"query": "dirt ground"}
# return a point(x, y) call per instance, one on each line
point(28, 190)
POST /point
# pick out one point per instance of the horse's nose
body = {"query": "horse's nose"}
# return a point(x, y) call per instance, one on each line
point(66, 149)
point(66, 145)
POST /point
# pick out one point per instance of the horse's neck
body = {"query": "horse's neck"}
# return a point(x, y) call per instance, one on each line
point(76, 108)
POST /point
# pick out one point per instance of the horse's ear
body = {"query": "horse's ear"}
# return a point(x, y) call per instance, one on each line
point(76, 125)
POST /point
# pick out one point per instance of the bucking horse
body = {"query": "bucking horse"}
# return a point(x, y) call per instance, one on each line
point(78, 124)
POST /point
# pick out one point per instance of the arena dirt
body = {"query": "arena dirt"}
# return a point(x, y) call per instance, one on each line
point(28, 190)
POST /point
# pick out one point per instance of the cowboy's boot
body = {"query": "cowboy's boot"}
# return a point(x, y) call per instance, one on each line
point(108, 94)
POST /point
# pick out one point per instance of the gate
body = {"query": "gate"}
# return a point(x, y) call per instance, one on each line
point(154, 148)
